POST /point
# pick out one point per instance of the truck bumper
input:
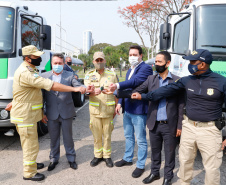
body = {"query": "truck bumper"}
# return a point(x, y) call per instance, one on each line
point(6, 123)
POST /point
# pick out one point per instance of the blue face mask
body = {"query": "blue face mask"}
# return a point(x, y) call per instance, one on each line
point(57, 68)
point(193, 68)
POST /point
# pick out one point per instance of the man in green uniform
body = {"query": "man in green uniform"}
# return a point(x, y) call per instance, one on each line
point(102, 107)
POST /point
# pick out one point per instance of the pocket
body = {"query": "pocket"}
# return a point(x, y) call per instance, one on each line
point(218, 159)
point(23, 131)
point(110, 107)
point(94, 107)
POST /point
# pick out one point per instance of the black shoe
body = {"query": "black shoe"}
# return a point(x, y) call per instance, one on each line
point(36, 177)
point(40, 166)
point(150, 179)
point(137, 172)
point(123, 163)
point(108, 162)
point(166, 182)
point(73, 165)
point(52, 165)
point(95, 161)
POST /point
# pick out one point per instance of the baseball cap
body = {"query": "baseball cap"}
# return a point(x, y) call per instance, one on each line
point(98, 54)
point(31, 50)
point(200, 54)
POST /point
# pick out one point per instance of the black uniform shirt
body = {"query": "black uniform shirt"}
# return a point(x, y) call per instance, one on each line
point(205, 95)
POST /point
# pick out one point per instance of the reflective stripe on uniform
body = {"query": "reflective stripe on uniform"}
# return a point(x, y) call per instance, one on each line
point(34, 107)
point(16, 119)
point(94, 103)
point(112, 122)
point(98, 150)
point(29, 162)
point(25, 125)
point(90, 122)
point(109, 150)
point(110, 103)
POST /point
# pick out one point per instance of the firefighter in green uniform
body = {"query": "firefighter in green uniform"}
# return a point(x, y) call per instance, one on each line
point(102, 107)
point(26, 107)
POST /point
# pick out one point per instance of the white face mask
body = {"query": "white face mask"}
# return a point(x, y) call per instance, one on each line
point(133, 60)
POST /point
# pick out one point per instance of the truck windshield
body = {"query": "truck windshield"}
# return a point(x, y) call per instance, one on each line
point(211, 28)
point(7, 29)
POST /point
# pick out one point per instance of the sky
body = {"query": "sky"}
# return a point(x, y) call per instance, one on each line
point(77, 16)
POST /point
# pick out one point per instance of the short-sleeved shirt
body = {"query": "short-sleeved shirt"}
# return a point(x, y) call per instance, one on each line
point(102, 105)
point(27, 95)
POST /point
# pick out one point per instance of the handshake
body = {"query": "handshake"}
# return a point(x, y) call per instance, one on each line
point(90, 89)
point(136, 95)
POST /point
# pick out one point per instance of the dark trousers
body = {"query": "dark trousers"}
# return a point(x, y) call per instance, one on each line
point(161, 133)
point(54, 127)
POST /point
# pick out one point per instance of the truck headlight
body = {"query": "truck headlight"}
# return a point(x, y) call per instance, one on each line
point(4, 114)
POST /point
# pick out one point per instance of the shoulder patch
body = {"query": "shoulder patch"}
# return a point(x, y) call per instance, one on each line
point(36, 75)
point(30, 69)
point(86, 77)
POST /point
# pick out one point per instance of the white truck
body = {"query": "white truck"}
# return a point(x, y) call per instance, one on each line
point(20, 27)
point(201, 25)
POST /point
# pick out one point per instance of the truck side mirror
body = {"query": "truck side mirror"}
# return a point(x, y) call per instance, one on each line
point(165, 36)
point(20, 52)
point(46, 36)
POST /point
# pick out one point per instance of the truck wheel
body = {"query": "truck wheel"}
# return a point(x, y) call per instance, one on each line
point(78, 99)
point(42, 128)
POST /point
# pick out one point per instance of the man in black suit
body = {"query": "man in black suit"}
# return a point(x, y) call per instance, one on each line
point(67, 66)
point(164, 119)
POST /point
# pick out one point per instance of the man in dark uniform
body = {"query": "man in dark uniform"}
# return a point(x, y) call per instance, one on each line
point(205, 94)
point(164, 120)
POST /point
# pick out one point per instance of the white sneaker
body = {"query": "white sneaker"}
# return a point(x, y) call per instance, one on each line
point(10, 132)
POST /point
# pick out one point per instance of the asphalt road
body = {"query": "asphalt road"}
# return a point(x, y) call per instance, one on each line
point(11, 160)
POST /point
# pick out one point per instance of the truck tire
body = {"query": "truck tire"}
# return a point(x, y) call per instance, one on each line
point(42, 128)
point(78, 99)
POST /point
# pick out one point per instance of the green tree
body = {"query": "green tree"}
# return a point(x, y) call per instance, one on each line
point(98, 47)
point(86, 59)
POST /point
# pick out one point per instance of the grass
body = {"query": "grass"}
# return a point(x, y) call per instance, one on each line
point(81, 74)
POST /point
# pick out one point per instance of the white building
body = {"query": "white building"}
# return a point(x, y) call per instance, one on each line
point(87, 41)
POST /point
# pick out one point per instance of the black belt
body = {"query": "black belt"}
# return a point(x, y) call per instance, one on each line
point(162, 121)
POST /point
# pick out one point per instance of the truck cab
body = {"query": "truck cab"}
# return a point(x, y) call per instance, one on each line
point(201, 25)
point(19, 27)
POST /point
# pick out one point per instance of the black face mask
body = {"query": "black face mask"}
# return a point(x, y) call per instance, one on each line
point(69, 63)
point(36, 62)
point(160, 69)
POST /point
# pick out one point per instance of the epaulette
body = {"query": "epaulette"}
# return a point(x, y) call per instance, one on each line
point(109, 72)
point(88, 74)
point(30, 69)
point(91, 71)
point(177, 79)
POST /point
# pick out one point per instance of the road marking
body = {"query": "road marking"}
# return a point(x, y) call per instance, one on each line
point(82, 106)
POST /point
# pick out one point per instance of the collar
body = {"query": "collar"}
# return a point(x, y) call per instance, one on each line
point(56, 74)
point(206, 74)
point(168, 76)
point(137, 65)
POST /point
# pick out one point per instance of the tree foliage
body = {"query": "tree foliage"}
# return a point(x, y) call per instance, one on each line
point(114, 55)
point(145, 17)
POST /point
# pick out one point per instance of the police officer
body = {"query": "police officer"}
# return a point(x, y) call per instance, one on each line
point(27, 106)
point(205, 94)
point(101, 107)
